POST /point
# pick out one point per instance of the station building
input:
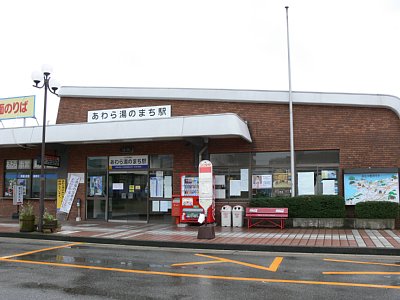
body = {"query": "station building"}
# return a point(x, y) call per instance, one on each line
point(131, 146)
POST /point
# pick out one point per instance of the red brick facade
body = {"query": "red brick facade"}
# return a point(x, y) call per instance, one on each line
point(366, 137)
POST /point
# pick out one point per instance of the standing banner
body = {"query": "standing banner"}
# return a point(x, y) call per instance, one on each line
point(70, 194)
point(60, 192)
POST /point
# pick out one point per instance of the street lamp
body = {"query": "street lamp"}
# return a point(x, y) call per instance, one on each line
point(52, 86)
point(292, 169)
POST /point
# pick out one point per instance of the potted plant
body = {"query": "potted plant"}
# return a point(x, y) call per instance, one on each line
point(49, 221)
point(26, 218)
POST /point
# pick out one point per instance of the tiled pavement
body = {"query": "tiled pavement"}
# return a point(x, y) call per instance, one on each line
point(240, 238)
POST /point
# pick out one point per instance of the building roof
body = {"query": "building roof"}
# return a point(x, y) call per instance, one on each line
point(176, 128)
point(257, 96)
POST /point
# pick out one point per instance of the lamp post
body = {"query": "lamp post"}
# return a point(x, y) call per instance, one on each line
point(52, 86)
point(292, 169)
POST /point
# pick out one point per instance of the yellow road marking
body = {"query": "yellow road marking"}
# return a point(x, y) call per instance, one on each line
point(361, 273)
point(361, 262)
point(40, 250)
point(328, 283)
point(272, 268)
point(198, 263)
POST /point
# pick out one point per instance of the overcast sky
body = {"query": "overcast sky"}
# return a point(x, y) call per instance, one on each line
point(336, 45)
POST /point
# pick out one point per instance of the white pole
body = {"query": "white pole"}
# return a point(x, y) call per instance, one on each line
point(292, 169)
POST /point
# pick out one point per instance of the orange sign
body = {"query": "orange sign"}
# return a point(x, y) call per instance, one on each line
point(18, 107)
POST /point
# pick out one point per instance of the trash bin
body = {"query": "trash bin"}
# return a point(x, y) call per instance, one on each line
point(237, 216)
point(226, 216)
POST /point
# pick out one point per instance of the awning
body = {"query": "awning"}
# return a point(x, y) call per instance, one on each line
point(208, 126)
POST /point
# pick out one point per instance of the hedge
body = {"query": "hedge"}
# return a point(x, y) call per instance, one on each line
point(377, 210)
point(318, 206)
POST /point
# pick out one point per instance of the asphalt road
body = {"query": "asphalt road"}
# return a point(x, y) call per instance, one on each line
point(34, 269)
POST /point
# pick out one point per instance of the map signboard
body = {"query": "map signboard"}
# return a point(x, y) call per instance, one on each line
point(371, 187)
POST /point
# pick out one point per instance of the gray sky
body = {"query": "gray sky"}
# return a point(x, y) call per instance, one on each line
point(336, 45)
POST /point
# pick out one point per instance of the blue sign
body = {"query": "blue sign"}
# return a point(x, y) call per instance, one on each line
point(128, 162)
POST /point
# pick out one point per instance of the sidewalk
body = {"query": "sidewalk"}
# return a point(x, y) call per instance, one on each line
point(380, 242)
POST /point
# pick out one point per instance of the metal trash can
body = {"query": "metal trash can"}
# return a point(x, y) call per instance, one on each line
point(226, 216)
point(237, 216)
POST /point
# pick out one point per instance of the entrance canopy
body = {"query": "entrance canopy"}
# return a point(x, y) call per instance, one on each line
point(211, 126)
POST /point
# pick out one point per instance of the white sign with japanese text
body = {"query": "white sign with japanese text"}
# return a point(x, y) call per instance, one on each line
point(128, 162)
point(206, 191)
point(18, 195)
point(129, 114)
point(69, 196)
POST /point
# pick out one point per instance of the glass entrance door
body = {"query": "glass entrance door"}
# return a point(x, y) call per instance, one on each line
point(128, 195)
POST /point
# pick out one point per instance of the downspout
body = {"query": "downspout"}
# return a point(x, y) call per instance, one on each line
point(203, 149)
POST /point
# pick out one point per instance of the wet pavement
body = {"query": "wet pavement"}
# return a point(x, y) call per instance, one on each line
point(351, 241)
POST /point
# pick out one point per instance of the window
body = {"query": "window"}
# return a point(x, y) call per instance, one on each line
point(271, 159)
point(271, 174)
point(25, 172)
point(160, 188)
point(268, 174)
point(321, 158)
point(231, 172)
point(96, 188)
point(161, 161)
point(317, 172)
point(160, 177)
point(97, 176)
point(230, 159)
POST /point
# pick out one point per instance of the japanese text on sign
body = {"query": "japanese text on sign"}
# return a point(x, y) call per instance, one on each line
point(18, 194)
point(70, 194)
point(60, 192)
point(128, 162)
point(128, 114)
point(19, 107)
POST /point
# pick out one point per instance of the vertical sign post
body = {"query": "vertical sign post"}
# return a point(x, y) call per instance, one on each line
point(206, 197)
point(18, 195)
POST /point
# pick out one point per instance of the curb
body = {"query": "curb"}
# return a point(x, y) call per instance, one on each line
point(211, 246)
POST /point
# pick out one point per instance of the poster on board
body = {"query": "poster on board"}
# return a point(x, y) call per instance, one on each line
point(96, 185)
point(305, 183)
point(261, 181)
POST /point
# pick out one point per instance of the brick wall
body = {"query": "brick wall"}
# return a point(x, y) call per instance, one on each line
point(366, 137)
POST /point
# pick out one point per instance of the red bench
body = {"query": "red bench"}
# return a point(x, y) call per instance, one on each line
point(263, 215)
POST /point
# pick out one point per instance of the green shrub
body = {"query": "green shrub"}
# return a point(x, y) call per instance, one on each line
point(318, 206)
point(26, 210)
point(377, 210)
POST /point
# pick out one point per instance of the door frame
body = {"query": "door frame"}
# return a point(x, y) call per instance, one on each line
point(130, 171)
